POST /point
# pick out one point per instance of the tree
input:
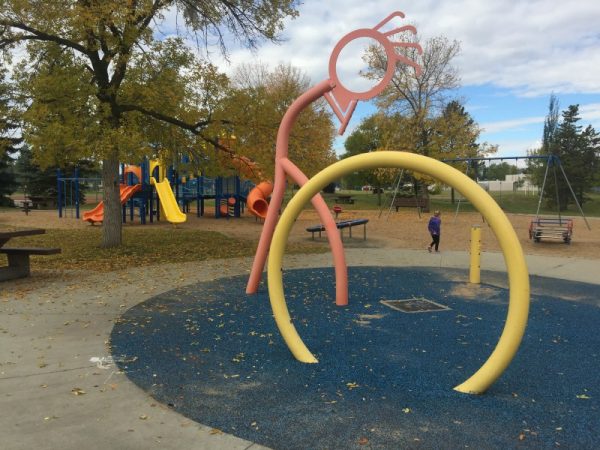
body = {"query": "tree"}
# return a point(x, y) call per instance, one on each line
point(577, 150)
point(366, 137)
point(417, 98)
point(426, 120)
point(100, 83)
point(9, 140)
point(255, 106)
point(498, 171)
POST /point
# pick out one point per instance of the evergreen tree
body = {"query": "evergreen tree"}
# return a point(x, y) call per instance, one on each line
point(9, 141)
point(577, 151)
point(42, 182)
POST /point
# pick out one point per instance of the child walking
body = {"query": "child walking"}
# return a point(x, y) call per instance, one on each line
point(434, 226)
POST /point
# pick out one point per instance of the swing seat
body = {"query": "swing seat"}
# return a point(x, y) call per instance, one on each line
point(557, 229)
point(414, 202)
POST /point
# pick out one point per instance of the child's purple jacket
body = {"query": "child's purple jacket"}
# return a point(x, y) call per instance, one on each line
point(434, 225)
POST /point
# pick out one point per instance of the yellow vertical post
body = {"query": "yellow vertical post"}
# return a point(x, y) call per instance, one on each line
point(475, 266)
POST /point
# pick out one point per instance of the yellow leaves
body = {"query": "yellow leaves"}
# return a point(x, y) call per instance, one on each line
point(77, 391)
point(238, 358)
point(583, 397)
point(352, 385)
point(142, 246)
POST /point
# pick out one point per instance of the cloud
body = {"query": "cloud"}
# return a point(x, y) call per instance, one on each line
point(514, 124)
point(532, 47)
point(590, 113)
point(515, 147)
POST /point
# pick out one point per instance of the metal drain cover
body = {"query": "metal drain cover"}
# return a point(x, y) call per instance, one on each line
point(414, 305)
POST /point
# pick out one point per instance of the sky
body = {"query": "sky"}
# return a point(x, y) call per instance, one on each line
point(514, 55)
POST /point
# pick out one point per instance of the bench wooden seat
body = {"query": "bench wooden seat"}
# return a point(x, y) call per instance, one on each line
point(29, 250)
point(414, 202)
point(341, 225)
point(344, 199)
point(558, 229)
point(18, 260)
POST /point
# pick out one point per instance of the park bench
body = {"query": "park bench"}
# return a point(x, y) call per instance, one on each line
point(18, 260)
point(414, 202)
point(18, 257)
point(342, 198)
point(41, 202)
point(558, 229)
point(341, 226)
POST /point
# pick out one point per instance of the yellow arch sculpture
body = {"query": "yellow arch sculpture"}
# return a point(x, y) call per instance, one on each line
point(518, 276)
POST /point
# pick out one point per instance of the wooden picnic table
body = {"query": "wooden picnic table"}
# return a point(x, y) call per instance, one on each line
point(344, 198)
point(18, 257)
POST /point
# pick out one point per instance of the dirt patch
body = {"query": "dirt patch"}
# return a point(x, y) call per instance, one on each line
point(474, 292)
point(404, 229)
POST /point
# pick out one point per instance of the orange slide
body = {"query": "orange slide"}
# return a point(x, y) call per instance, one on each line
point(257, 198)
point(97, 214)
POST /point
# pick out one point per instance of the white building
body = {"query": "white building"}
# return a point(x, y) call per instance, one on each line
point(511, 183)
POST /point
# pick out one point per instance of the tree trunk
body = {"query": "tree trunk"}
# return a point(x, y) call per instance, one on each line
point(111, 230)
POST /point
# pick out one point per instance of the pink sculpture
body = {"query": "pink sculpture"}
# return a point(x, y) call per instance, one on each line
point(343, 102)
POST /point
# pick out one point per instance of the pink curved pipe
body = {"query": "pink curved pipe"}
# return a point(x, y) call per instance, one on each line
point(343, 102)
point(283, 166)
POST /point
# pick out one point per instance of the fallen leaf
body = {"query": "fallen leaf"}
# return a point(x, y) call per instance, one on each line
point(363, 441)
point(583, 396)
point(78, 391)
point(143, 417)
point(215, 431)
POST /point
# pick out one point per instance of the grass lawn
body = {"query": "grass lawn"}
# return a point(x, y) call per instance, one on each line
point(513, 202)
point(147, 246)
point(141, 247)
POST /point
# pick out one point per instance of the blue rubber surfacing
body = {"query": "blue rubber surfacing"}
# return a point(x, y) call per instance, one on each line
point(384, 378)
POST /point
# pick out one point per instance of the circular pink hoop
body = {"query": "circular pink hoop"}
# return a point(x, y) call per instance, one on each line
point(345, 95)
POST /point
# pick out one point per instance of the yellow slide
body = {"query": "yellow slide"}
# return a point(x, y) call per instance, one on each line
point(169, 205)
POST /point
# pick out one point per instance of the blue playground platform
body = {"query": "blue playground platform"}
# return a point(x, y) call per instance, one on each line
point(384, 378)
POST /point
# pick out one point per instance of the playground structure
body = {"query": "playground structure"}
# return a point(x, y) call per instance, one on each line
point(257, 199)
point(135, 191)
point(126, 192)
point(68, 192)
point(274, 234)
point(343, 102)
point(165, 194)
point(151, 184)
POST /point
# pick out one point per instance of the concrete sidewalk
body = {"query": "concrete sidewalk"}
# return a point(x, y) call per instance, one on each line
point(53, 396)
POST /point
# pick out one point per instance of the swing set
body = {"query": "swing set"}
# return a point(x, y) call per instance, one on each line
point(417, 200)
point(558, 228)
